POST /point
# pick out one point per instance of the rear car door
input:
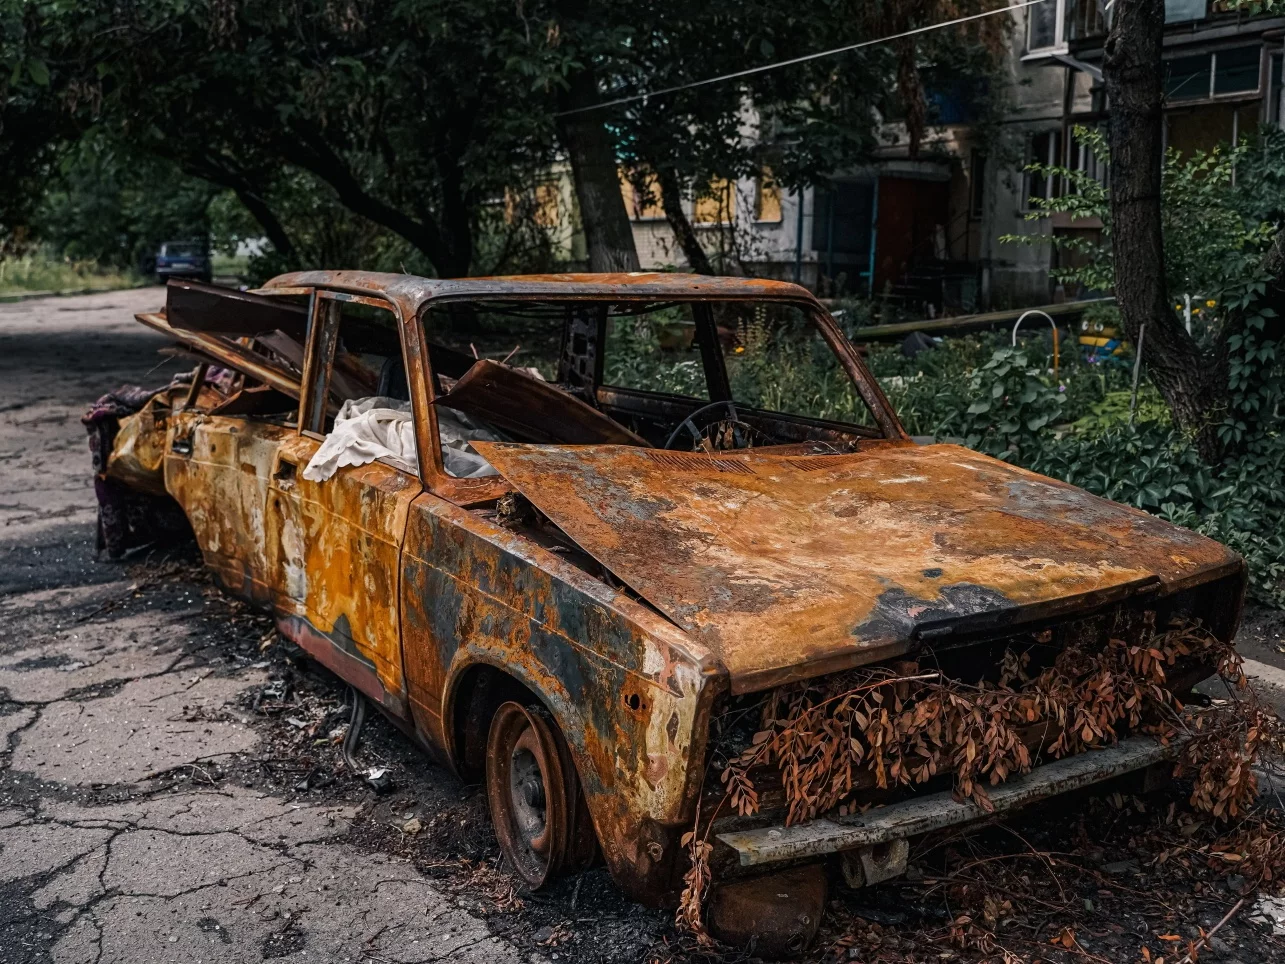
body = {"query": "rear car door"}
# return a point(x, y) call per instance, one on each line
point(221, 454)
point(336, 543)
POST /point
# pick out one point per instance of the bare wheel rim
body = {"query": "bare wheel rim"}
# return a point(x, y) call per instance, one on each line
point(527, 792)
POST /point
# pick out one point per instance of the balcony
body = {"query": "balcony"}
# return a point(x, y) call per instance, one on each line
point(1053, 27)
point(1084, 20)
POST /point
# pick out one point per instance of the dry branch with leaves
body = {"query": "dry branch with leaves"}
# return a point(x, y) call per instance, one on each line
point(897, 726)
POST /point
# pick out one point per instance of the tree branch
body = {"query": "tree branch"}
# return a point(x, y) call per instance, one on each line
point(313, 154)
point(671, 200)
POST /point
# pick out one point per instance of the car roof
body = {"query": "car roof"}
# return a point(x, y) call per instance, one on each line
point(413, 292)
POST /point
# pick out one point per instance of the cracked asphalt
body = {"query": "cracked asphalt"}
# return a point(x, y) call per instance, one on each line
point(127, 831)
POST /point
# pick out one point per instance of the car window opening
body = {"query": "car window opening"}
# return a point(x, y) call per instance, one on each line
point(699, 376)
point(373, 418)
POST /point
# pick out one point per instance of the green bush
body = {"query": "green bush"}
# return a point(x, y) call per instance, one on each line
point(1241, 502)
point(1012, 403)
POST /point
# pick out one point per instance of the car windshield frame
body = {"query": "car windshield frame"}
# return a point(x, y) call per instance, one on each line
point(886, 424)
point(412, 297)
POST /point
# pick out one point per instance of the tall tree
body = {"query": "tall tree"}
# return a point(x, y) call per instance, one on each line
point(591, 150)
point(1193, 385)
point(1193, 378)
point(398, 108)
point(418, 115)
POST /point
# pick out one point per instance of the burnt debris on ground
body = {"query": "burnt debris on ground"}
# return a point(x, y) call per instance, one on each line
point(300, 714)
point(1116, 876)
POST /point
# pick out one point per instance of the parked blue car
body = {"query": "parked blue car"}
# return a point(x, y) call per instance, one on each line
point(183, 259)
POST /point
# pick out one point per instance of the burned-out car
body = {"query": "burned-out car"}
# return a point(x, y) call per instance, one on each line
point(558, 527)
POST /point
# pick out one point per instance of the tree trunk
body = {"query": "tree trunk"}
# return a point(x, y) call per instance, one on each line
point(608, 233)
point(457, 224)
point(671, 199)
point(1193, 385)
point(910, 86)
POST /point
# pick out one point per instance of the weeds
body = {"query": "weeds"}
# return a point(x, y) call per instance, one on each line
point(36, 272)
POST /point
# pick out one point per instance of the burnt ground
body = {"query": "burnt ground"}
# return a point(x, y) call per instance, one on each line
point(171, 786)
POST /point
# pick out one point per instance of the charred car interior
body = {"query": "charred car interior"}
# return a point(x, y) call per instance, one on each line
point(605, 542)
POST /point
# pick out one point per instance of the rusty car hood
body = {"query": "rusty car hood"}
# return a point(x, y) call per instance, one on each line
point(786, 567)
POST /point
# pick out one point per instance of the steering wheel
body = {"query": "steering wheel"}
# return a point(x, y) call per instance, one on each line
point(699, 422)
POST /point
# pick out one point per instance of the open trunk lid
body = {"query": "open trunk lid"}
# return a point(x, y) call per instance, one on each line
point(787, 567)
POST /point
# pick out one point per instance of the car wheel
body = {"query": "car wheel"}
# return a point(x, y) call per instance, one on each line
point(534, 795)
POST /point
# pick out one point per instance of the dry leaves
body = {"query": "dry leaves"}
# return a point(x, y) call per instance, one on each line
point(889, 726)
point(894, 726)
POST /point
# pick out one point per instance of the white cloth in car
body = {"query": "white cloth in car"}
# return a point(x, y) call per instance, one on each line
point(367, 429)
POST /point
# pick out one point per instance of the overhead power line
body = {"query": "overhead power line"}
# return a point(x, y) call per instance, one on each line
point(797, 60)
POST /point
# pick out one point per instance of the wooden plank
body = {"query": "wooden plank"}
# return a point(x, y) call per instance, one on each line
point(966, 323)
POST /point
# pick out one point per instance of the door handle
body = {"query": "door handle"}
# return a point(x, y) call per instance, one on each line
point(181, 446)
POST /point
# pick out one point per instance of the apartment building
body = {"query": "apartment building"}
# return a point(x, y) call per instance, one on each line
point(1223, 80)
point(925, 231)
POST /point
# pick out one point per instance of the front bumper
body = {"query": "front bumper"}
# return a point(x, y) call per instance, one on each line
point(771, 845)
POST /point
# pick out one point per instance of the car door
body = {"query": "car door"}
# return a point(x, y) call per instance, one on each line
point(336, 543)
point(218, 470)
point(218, 467)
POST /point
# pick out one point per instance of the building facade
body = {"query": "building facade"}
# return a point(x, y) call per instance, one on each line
point(924, 233)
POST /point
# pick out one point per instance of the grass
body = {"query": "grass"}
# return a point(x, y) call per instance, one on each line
point(229, 266)
point(36, 273)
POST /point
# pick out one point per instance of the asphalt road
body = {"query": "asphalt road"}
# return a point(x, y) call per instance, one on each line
point(167, 791)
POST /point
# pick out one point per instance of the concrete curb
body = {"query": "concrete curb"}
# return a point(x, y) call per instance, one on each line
point(69, 292)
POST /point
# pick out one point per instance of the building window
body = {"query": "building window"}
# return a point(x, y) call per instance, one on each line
point(977, 185)
point(767, 198)
point(1236, 71)
point(1189, 78)
point(644, 204)
point(1045, 149)
point(1043, 25)
point(1051, 24)
point(1221, 73)
point(717, 205)
point(547, 209)
point(1183, 11)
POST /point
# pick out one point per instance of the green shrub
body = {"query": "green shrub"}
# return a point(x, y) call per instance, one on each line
point(1112, 411)
point(1012, 402)
point(1241, 502)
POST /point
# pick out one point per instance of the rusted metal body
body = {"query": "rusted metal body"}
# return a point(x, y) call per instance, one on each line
point(671, 580)
point(789, 566)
